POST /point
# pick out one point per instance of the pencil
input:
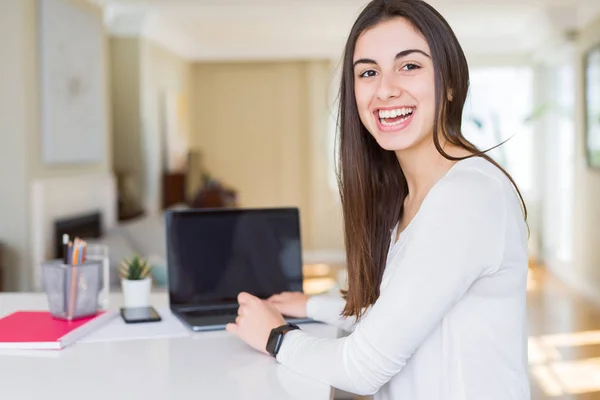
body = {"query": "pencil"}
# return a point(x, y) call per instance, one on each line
point(73, 280)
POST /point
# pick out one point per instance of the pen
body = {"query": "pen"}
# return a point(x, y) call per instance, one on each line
point(84, 245)
point(70, 253)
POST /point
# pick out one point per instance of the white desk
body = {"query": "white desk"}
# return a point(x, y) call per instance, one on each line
point(210, 365)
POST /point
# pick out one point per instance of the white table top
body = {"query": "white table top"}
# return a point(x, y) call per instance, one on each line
point(209, 365)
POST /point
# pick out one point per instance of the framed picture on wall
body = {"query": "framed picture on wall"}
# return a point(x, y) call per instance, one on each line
point(73, 85)
point(592, 107)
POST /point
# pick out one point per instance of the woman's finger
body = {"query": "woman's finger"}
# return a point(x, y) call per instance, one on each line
point(238, 319)
point(279, 307)
point(244, 298)
point(275, 298)
point(231, 328)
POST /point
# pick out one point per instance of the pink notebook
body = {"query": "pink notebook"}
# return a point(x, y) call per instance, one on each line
point(39, 330)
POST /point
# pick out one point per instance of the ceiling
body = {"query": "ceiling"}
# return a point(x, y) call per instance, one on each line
point(297, 29)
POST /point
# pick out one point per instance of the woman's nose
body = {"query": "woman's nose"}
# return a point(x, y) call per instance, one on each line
point(388, 89)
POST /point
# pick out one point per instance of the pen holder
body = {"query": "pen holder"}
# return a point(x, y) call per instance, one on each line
point(72, 290)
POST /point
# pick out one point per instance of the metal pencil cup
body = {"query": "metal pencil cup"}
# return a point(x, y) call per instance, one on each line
point(72, 290)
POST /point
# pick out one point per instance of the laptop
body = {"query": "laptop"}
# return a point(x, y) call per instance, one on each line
point(214, 254)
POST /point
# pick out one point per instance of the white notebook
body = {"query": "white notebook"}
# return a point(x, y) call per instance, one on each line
point(118, 330)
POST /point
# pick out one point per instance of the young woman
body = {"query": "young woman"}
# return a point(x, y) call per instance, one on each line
point(436, 234)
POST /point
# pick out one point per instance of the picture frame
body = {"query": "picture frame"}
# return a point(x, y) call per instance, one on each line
point(592, 106)
point(72, 81)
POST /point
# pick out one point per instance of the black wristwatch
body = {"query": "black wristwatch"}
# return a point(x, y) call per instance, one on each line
point(276, 338)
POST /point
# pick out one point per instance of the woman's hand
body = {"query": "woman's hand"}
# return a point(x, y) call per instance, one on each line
point(256, 318)
point(291, 304)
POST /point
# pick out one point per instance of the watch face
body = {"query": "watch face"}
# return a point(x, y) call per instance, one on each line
point(274, 342)
point(276, 337)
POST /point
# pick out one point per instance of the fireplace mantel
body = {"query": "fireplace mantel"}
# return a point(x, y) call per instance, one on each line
point(64, 197)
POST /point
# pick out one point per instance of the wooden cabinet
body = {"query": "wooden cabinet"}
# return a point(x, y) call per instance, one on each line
point(173, 189)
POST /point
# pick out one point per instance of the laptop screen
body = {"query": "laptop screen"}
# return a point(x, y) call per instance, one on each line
point(215, 254)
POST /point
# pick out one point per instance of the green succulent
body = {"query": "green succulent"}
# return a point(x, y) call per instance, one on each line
point(134, 269)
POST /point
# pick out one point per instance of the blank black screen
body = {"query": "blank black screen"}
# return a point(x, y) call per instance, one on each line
point(213, 255)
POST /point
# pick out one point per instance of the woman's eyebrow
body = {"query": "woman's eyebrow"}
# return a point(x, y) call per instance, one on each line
point(402, 54)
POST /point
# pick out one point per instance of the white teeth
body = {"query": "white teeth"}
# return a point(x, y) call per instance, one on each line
point(395, 112)
point(401, 120)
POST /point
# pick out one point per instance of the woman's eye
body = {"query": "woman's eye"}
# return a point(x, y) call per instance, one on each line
point(368, 73)
point(410, 67)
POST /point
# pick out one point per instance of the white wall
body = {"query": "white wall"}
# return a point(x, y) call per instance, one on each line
point(587, 184)
point(32, 93)
point(575, 186)
point(556, 142)
point(20, 137)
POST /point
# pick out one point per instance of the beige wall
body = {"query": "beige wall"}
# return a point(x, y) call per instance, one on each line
point(165, 82)
point(145, 78)
point(13, 139)
point(326, 230)
point(125, 102)
point(20, 136)
point(262, 128)
point(587, 184)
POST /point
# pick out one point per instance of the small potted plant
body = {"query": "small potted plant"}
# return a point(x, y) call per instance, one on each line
point(136, 282)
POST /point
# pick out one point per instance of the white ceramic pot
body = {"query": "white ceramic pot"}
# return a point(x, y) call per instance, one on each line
point(136, 293)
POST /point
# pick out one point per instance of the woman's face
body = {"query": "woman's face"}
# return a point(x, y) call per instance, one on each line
point(394, 85)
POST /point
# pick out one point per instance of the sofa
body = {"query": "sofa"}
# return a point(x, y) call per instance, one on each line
point(143, 236)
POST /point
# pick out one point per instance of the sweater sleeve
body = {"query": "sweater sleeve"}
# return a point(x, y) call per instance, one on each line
point(328, 308)
point(459, 238)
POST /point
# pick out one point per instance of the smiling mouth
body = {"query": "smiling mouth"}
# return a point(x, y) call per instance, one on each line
point(393, 117)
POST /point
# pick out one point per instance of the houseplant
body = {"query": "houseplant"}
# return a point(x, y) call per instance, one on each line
point(136, 282)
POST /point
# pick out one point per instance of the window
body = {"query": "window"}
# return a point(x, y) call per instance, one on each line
point(566, 155)
point(499, 102)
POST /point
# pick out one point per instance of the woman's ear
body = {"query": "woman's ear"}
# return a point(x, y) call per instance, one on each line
point(450, 95)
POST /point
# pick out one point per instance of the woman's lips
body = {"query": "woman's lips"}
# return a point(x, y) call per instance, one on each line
point(393, 124)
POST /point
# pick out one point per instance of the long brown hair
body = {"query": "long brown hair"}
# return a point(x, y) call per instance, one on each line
point(371, 183)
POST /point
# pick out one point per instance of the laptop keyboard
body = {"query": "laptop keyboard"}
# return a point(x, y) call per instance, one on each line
point(212, 312)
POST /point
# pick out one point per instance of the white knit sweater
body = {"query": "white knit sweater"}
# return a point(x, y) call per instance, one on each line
point(450, 323)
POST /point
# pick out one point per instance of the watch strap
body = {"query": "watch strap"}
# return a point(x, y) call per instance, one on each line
point(276, 337)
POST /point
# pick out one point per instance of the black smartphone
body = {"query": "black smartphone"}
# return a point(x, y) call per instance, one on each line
point(132, 315)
